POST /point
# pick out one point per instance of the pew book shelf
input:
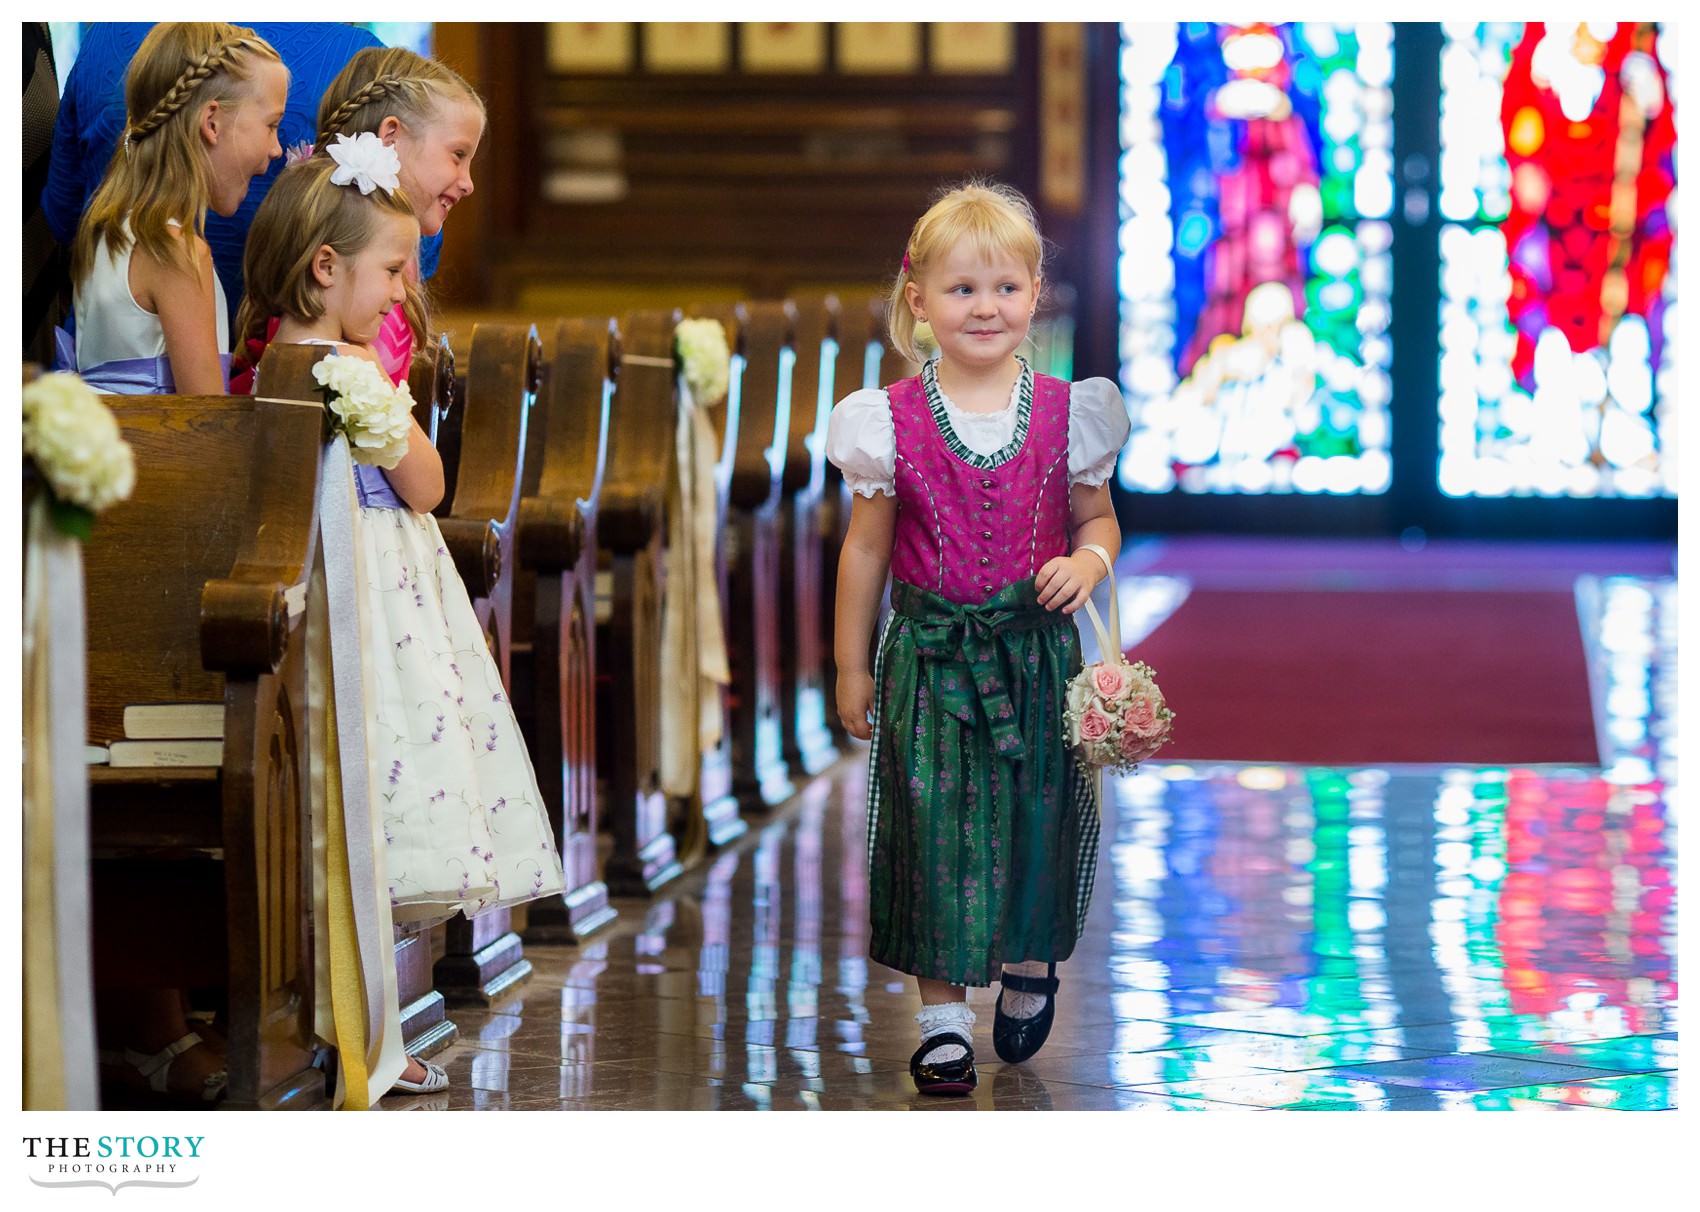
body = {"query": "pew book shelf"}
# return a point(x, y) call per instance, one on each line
point(165, 734)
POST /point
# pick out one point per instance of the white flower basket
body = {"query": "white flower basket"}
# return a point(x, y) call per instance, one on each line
point(1115, 714)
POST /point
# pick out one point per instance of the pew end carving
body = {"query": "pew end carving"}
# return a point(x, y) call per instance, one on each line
point(553, 660)
point(804, 697)
point(643, 421)
point(860, 318)
point(751, 545)
point(484, 957)
point(191, 590)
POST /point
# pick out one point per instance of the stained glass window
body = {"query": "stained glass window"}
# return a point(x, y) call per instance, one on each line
point(1255, 271)
point(1558, 266)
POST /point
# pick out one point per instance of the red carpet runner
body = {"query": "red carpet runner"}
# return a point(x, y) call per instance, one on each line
point(1362, 678)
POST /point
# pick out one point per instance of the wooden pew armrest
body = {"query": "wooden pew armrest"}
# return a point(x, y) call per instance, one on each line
point(628, 516)
point(551, 534)
point(475, 545)
point(244, 626)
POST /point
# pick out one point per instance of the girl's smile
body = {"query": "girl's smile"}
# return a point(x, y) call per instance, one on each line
point(979, 306)
point(436, 161)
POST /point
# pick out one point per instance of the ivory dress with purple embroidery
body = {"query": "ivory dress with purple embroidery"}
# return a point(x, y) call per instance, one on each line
point(464, 823)
point(982, 830)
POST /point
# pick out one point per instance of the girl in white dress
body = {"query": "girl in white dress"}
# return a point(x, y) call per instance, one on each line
point(203, 101)
point(464, 828)
point(202, 104)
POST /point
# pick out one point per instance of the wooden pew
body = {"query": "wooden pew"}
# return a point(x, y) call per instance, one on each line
point(629, 534)
point(484, 957)
point(804, 702)
point(859, 318)
point(189, 590)
point(759, 778)
point(553, 656)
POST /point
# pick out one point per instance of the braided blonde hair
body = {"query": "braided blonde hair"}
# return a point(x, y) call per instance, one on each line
point(159, 171)
point(383, 82)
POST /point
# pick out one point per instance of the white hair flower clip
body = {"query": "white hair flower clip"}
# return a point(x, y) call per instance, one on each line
point(365, 161)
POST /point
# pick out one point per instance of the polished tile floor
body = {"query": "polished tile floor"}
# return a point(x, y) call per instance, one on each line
point(1261, 938)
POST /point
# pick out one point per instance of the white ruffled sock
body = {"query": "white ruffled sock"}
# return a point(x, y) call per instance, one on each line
point(1023, 1005)
point(952, 1017)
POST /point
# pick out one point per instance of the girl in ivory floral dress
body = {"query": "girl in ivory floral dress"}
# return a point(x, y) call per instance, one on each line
point(464, 828)
point(202, 103)
point(981, 490)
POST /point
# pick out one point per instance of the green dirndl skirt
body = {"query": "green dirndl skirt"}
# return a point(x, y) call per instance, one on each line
point(982, 829)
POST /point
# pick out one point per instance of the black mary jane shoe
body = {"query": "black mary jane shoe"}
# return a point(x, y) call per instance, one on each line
point(952, 1078)
point(1016, 1039)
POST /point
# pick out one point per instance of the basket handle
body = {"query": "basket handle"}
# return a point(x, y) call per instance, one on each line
point(1108, 648)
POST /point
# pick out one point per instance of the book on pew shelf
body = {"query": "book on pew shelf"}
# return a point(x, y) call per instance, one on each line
point(173, 721)
point(166, 752)
point(95, 755)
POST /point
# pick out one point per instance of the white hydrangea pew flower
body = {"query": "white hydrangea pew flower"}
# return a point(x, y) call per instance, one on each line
point(75, 441)
point(706, 358)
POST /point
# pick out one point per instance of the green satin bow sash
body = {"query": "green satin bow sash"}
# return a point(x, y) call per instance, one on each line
point(970, 651)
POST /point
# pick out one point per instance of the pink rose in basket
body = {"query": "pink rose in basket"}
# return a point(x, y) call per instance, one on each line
point(1094, 724)
point(1110, 679)
point(1135, 748)
point(1141, 718)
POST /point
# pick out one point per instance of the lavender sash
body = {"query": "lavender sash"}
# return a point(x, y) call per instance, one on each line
point(374, 488)
point(124, 376)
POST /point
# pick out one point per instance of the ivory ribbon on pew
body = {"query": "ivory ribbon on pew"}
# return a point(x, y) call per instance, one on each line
point(692, 634)
point(59, 1040)
point(356, 1004)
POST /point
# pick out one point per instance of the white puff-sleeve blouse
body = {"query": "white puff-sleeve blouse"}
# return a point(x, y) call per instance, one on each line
point(860, 441)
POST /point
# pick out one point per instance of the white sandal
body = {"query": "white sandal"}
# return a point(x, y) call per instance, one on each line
point(435, 1079)
point(157, 1069)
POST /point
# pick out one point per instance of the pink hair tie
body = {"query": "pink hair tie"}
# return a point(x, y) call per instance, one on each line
point(906, 260)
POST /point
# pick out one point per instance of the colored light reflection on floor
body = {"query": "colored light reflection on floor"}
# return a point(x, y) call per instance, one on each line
point(1433, 914)
point(1629, 624)
point(1263, 938)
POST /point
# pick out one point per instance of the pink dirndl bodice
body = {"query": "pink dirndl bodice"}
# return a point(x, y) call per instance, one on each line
point(967, 524)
